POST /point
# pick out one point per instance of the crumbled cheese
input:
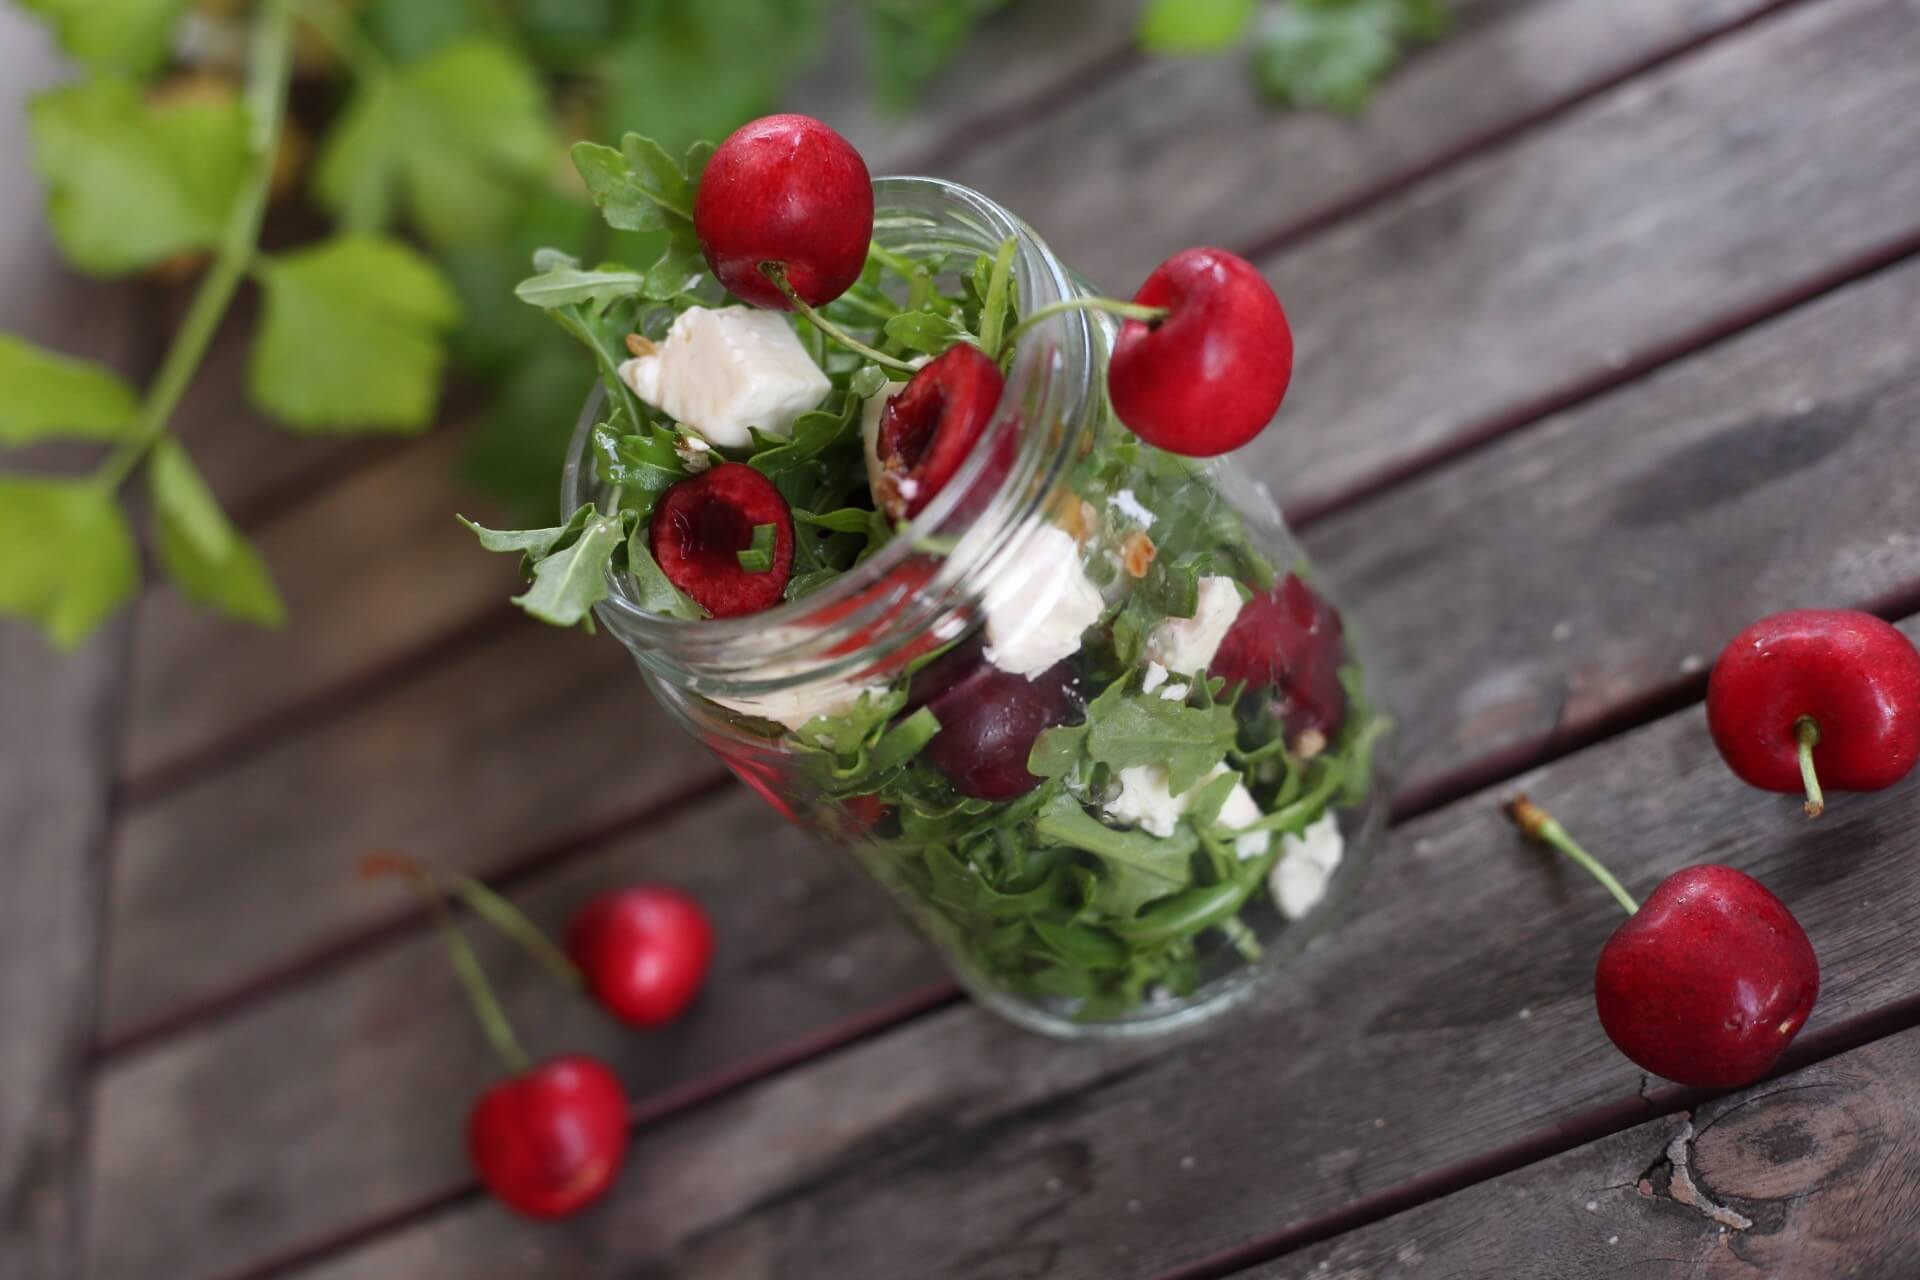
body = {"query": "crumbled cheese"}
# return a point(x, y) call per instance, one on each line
point(797, 706)
point(696, 454)
point(1127, 505)
point(722, 371)
point(1176, 692)
point(1307, 862)
point(1186, 645)
point(871, 411)
point(1155, 677)
point(1144, 801)
point(1242, 810)
point(1040, 604)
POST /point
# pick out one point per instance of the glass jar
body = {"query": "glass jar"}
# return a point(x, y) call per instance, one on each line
point(993, 714)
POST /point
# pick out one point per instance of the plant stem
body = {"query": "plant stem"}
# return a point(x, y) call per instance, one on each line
point(1112, 306)
point(1807, 730)
point(778, 274)
point(513, 922)
point(993, 307)
point(266, 99)
point(1537, 824)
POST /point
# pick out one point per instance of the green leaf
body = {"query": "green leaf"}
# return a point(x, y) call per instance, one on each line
point(532, 543)
point(70, 558)
point(564, 286)
point(569, 582)
point(1138, 867)
point(128, 36)
point(351, 337)
point(757, 557)
point(652, 590)
point(456, 140)
point(130, 183)
point(44, 395)
point(637, 188)
point(926, 331)
point(203, 553)
point(407, 30)
point(1143, 729)
point(643, 464)
point(1056, 751)
point(1194, 26)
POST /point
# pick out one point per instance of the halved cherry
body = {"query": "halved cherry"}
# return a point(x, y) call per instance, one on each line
point(702, 524)
point(1291, 641)
point(931, 426)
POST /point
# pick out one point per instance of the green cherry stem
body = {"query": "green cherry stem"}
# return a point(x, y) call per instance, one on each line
point(778, 274)
point(1112, 306)
point(1537, 824)
point(1806, 730)
point(513, 922)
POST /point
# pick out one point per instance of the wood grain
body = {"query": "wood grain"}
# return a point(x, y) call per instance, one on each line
point(1457, 990)
point(1698, 191)
point(504, 749)
point(211, 1155)
point(1820, 1165)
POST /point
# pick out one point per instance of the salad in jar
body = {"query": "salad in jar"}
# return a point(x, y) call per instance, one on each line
point(1070, 693)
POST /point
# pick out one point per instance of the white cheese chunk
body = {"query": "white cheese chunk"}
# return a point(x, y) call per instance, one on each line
point(1186, 645)
point(1144, 801)
point(1040, 604)
point(1242, 810)
point(1130, 506)
point(1155, 677)
point(799, 705)
point(1307, 861)
point(1176, 692)
point(722, 371)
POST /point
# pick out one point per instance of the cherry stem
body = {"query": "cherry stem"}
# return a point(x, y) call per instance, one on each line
point(1537, 824)
point(1112, 306)
point(1807, 730)
point(777, 273)
point(513, 922)
point(466, 965)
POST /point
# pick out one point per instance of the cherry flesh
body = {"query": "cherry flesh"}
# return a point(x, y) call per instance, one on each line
point(932, 425)
point(1846, 682)
point(548, 1142)
point(1292, 642)
point(989, 719)
point(883, 602)
point(644, 952)
point(1209, 376)
point(785, 189)
point(1709, 981)
point(702, 523)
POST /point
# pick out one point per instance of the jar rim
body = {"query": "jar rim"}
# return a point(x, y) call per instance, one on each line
point(789, 644)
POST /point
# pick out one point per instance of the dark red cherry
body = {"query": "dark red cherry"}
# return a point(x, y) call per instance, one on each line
point(989, 719)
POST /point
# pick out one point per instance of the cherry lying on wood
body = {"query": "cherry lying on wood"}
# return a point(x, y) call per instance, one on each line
point(1708, 981)
point(1815, 698)
point(644, 952)
point(548, 1141)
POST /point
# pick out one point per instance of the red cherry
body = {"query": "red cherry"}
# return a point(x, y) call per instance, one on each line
point(891, 595)
point(644, 952)
point(1210, 375)
point(864, 813)
point(931, 426)
point(549, 1141)
point(1851, 679)
point(1292, 641)
point(989, 719)
point(1709, 981)
point(785, 189)
point(702, 523)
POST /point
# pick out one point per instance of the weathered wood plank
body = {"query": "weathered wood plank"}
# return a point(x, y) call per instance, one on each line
point(1820, 1165)
point(211, 1155)
point(1448, 1017)
point(369, 569)
point(513, 745)
point(1693, 193)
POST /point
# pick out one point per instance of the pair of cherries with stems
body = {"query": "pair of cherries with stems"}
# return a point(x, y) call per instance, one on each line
point(784, 216)
point(549, 1140)
point(1710, 979)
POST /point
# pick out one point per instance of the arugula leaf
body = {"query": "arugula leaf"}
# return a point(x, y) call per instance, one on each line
point(1137, 867)
point(1056, 751)
point(926, 331)
point(70, 559)
point(567, 583)
point(50, 395)
point(563, 286)
point(351, 336)
point(1194, 26)
point(130, 36)
point(1143, 729)
point(652, 590)
point(643, 464)
point(757, 557)
point(457, 138)
point(129, 182)
point(203, 553)
point(535, 544)
point(1330, 53)
point(637, 188)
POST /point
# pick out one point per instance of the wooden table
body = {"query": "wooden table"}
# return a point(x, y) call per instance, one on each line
point(1609, 325)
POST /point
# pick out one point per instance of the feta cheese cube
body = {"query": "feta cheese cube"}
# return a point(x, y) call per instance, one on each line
point(1039, 605)
point(1186, 645)
point(1307, 861)
point(722, 371)
point(1242, 810)
point(1155, 677)
point(1144, 801)
point(1176, 692)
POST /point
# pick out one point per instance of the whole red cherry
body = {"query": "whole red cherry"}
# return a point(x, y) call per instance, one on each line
point(1817, 696)
point(548, 1142)
point(1209, 375)
point(785, 189)
point(644, 952)
point(700, 526)
point(932, 424)
point(989, 719)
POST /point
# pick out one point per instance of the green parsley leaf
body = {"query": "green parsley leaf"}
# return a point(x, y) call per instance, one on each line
point(129, 36)
point(70, 559)
point(637, 188)
point(351, 337)
point(1194, 26)
point(457, 138)
point(1144, 729)
point(49, 395)
point(203, 553)
point(130, 183)
point(567, 583)
point(757, 557)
